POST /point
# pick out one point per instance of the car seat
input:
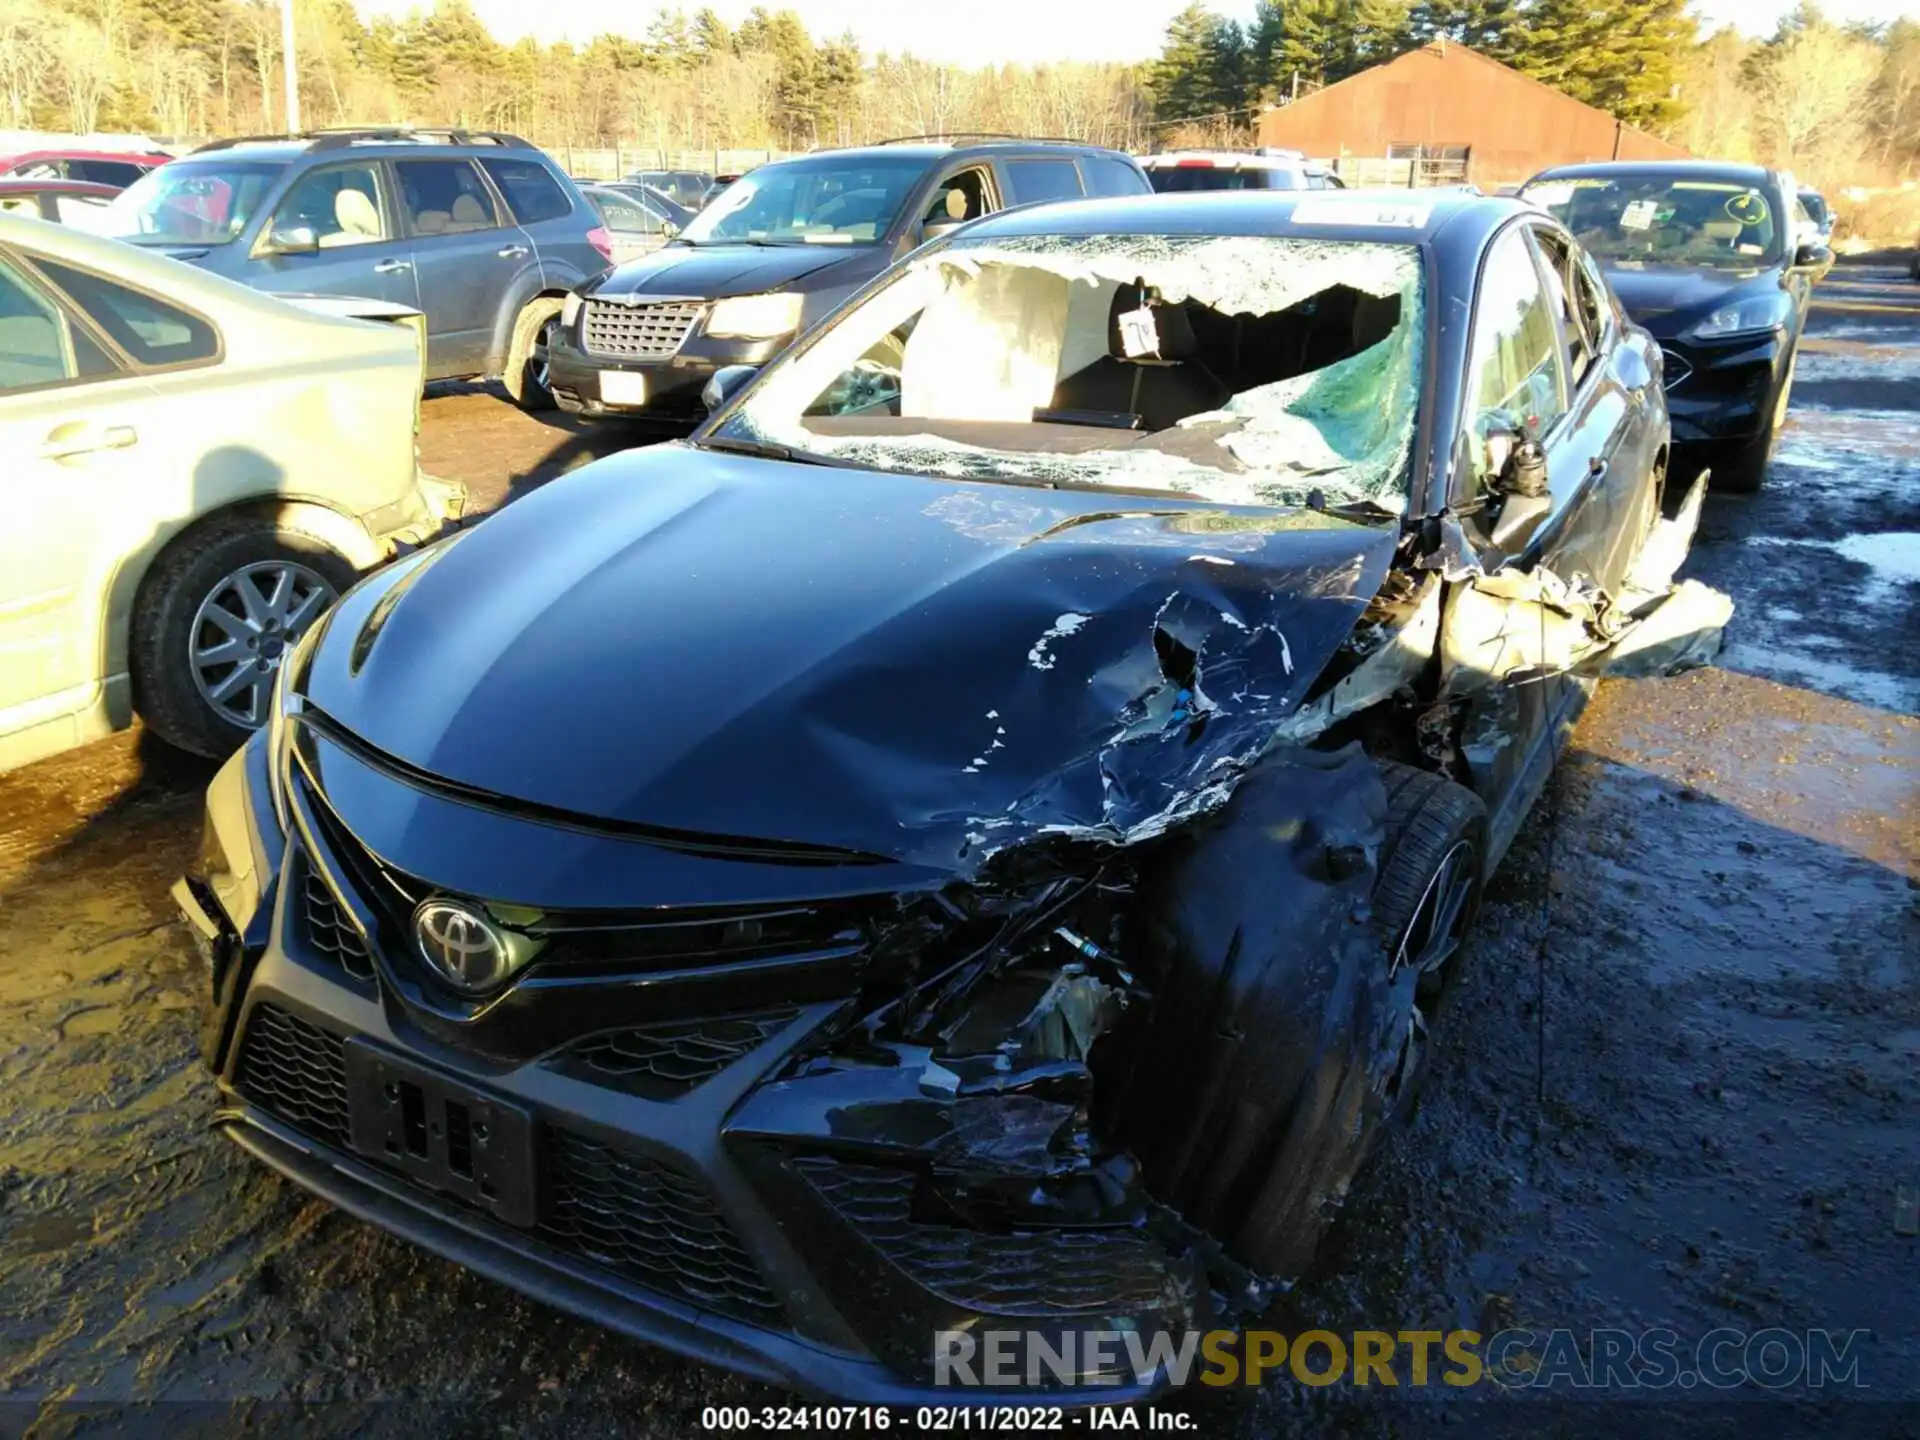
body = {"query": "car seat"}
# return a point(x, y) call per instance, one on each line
point(355, 218)
point(1160, 389)
point(468, 214)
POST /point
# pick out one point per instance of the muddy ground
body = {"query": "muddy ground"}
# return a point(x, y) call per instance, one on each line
point(1675, 1088)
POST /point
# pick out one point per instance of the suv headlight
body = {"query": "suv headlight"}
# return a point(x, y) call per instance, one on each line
point(570, 308)
point(1760, 312)
point(755, 317)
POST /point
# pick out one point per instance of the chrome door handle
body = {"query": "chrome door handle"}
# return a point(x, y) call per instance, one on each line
point(86, 441)
point(511, 252)
point(392, 267)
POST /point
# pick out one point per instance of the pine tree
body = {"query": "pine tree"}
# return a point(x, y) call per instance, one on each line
point(1182, 86)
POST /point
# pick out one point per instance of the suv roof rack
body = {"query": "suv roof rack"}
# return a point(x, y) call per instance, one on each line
point(335, 137)
point(987, 135)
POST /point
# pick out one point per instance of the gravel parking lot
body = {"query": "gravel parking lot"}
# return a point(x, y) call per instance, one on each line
point(1676, 1086)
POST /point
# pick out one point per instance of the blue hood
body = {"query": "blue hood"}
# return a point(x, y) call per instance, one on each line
point(909, 667)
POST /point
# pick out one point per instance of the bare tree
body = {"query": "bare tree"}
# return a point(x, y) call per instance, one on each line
point(87, 71)
point(1811, 88)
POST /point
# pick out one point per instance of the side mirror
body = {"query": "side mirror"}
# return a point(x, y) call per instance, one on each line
point(934, 229)
point(727, 382)
point(294, 240)
point(669, 228)
point(1812, 255)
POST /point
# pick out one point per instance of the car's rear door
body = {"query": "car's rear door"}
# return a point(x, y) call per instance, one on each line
point(91, 449)
point(467, 257)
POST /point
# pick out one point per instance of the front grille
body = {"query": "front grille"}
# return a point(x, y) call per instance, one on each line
point(664, 1062)
point(1047, 1272)
point(638, 332)
point(297, 1071)
point(1673, 368)
point(328, 930)
point(640, 1218)
point(650, 1223)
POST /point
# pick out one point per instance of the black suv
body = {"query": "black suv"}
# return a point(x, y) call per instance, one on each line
point(781, 247)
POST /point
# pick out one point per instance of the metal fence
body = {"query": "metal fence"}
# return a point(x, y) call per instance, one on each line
point(609, 162)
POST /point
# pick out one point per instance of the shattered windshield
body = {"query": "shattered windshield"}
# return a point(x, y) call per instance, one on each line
point(1236, 369)
point(1656, 220)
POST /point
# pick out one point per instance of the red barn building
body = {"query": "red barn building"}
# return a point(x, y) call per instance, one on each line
point(1460, 116)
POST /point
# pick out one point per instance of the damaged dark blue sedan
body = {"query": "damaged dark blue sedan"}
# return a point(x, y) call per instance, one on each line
point(973, 840)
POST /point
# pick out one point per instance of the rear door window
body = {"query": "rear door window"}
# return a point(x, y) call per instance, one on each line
point(33, 336)
point(107, 172)
point(1107, 176)
point(150, 330)
point(1032, 180)
point(444, 197)
point(626, 216)
point(532, 193)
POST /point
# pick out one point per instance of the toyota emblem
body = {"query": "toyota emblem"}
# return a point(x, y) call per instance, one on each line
point(465, 949)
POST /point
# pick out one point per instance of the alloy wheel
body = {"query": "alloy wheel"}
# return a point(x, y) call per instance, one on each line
point(242, 629)
point(542, 357)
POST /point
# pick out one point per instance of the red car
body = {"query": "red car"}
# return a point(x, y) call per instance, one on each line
point(118, 168)
point(57, 200)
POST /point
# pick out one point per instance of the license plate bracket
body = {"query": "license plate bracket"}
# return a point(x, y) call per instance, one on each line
point(441, 1133)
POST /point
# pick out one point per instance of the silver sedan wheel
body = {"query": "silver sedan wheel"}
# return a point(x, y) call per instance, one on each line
point(243, 627)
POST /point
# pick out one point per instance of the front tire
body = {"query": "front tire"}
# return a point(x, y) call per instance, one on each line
point(213, 617)
point(1745, 469)
point(528, 375)
point(1431, 870)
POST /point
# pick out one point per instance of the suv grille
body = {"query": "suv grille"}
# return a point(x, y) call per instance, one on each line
point(647, 1221)
point(638, 332)
point(664, 1062)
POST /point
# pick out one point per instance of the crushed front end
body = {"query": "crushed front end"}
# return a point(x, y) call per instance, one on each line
point(798, 1121)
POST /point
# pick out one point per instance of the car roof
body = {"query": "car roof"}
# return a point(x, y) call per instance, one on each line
point(1396, 215)
point(11, 185)
point(1679, 169)
point(931, 150)
point(133, 157)
point(1231, 159)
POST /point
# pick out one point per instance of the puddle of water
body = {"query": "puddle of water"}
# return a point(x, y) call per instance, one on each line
point(1883, 363)
point(1849, 682)
point(99, 1020)
point(1892, 559)
point(44, 1234)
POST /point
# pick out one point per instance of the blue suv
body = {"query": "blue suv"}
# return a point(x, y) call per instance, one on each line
point(480, 231)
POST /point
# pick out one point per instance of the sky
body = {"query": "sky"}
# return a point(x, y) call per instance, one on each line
point(986, 32)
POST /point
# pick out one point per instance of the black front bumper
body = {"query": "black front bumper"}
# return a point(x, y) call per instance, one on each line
point(674, 382)
point(1723, 391)
point(666, 1214)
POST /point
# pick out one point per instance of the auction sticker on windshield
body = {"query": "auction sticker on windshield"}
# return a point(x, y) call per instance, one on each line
point(1348, 212)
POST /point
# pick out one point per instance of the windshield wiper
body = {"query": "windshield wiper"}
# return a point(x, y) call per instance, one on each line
point(763, 449)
